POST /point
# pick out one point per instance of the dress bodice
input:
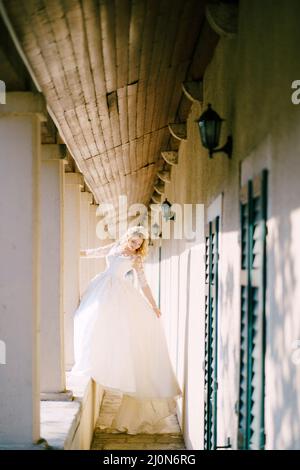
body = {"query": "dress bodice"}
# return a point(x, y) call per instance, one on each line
point(118, 264)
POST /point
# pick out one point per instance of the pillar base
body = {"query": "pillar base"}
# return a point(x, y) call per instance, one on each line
point(57, 396)
point(41, 444)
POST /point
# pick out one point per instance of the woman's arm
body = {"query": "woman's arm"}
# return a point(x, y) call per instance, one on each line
point(99, 252)
point(139, 268)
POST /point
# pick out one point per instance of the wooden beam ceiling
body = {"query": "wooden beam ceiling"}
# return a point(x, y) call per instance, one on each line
point(112, 73)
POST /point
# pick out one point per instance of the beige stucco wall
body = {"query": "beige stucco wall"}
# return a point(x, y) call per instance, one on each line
point(248, 82)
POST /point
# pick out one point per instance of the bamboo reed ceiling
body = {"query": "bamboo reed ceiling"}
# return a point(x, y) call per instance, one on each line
point(111, 72)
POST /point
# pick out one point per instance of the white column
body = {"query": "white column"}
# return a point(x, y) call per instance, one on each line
point(96, 265)
point(73, 186)
point(20, 266)
point(86, 200)
point(92, 239)
point(100, 262)
point(52, 315)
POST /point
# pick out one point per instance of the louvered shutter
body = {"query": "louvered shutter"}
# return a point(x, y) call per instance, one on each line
point(159, 277)
point(211, 328)
point(253, 199)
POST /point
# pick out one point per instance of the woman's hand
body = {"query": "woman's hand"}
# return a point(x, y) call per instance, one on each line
point(157, 311)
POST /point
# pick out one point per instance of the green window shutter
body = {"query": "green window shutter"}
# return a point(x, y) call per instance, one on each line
point(159, 277)
point(211, 329)
point(253, 203)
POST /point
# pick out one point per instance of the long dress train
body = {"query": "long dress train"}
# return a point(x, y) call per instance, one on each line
point(121, 344)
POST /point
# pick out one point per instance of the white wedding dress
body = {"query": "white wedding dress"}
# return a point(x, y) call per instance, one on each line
point(121, 344)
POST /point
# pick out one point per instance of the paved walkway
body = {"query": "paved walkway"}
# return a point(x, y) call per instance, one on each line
point(113, 440)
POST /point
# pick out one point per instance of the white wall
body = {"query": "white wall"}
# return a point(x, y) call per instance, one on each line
point(248, 82)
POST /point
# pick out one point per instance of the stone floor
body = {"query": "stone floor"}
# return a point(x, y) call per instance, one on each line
point(110, 439)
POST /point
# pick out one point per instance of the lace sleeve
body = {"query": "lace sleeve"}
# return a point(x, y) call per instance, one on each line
point(99, 252)
point(138, 265)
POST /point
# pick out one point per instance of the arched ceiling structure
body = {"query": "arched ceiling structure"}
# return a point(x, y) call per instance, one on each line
point(112, 73)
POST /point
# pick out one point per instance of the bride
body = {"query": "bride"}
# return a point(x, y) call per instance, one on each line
point(119, 338)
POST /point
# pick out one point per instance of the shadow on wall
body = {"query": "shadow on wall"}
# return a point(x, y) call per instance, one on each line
point(283, 329)
point(185, 414)
point(228, 355)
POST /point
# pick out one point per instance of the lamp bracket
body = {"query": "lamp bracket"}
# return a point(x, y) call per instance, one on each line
point(227, 148)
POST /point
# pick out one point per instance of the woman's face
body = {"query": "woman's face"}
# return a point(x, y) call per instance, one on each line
point(135, 242)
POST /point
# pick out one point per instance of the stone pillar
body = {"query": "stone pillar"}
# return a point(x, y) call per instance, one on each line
point(96, 265)
point(92, 239)
point(52, 316)
point(73, 186)
point(86, 200)
point(100, 262)
point(20, 132)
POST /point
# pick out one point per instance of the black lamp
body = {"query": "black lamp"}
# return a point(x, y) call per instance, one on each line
point(156, 230)
point(166, 210)
point(210, 128)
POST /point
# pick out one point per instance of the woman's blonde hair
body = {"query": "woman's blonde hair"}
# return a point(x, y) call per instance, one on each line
point(139, 231)
point(143, 249)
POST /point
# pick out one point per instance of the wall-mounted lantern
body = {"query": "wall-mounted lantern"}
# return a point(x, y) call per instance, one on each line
point(166, 210)
point(156, 230)
point(210, 128)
